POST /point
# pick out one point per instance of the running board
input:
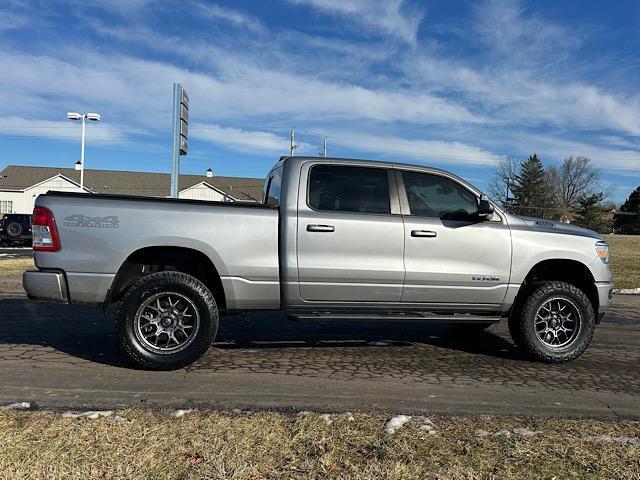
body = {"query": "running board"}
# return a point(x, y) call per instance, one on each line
point(423, 316)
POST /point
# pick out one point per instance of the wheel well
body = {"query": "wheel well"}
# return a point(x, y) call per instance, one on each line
point(150, 260)
point(564, 270)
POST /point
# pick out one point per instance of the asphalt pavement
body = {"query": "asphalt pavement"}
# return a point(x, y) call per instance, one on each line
point(10, 253)
point(66, 356)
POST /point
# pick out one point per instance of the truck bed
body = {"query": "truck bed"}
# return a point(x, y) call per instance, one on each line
point(99, 232)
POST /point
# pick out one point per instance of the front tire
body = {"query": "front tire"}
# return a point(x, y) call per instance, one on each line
point(556, 323)
point(166, 321)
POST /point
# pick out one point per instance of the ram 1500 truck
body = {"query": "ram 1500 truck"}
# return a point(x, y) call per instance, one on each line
point(333, 238)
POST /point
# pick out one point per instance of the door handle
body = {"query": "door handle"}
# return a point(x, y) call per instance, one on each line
point(320, 228)
point(423, 233)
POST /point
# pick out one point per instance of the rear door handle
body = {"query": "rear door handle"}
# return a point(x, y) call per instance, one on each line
point(320, 228)
point(423, 233)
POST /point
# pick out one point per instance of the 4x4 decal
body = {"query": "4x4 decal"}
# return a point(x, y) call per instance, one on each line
point(78, 220)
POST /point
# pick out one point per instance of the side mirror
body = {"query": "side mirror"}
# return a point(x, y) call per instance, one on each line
point(485, 208)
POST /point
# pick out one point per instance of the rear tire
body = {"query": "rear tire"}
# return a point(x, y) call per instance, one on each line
point(556, 323)
point(166, 321)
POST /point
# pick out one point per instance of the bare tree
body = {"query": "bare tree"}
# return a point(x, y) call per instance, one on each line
point(501, 186)
point(576, 178)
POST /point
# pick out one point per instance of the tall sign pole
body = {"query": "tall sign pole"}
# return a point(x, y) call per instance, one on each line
point(180, 133)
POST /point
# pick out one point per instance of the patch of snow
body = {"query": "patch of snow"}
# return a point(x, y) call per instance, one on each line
point(305, 413)
point(348, 416)
point(627, 291)
point(16, 406)
point(522, 431)
point(181, 413)
point(395, 423)
point(380, 343)
point(327, 418)
point(91, 414)
point(526, 432)
point(610, 439)
point(237, 411)
point(119, 419)
point(425, 424)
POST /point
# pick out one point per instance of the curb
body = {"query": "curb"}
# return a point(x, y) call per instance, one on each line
point(626, 291)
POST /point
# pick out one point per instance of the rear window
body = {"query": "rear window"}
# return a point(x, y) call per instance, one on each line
point(349, 189)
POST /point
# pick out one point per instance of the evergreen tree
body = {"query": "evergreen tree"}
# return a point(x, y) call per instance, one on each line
point(627, 220)
point(591, 214)
point(531, 190)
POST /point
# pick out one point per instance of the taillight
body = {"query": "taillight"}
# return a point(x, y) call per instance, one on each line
point(44, 231)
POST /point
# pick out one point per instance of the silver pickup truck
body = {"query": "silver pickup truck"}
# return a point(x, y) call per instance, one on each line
point(333, 238)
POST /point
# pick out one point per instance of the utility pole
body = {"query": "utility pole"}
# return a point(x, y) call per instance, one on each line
point(294, 147)
point(82, 154)
point(324, 147)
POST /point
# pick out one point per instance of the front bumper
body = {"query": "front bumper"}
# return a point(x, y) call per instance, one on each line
point(605, 294)
point(45, 286)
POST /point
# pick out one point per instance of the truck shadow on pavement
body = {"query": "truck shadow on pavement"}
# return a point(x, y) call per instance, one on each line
point(45, 332)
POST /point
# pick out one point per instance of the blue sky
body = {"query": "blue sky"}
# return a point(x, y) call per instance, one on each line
point(447, 83)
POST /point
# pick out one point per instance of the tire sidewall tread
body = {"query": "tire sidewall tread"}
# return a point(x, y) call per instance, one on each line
point(524, 324)
point(159, 282)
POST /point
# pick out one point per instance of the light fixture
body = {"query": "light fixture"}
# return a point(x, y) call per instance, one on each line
point(95, 117)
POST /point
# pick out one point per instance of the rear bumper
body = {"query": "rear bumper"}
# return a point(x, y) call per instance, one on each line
point(57, 286)
point(45, 286)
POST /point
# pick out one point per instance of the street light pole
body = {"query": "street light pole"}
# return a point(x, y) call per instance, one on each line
point(95, 117)
point(82, 154)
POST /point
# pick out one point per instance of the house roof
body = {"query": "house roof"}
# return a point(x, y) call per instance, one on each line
point(129, 183)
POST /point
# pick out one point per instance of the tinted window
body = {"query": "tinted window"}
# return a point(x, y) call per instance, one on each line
point(349, 189)
point(272, 189)
point(439, 197)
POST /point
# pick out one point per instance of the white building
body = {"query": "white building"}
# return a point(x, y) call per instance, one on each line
point(20, 186)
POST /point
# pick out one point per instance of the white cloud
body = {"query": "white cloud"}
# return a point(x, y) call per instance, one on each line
point(243, 140)
point(60, 130)
point(238, 90)
point(527, 76)
point(425, 151)
point(393, 18)
point(230, 15)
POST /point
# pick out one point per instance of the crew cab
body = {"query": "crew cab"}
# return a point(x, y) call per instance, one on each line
point(352, 239)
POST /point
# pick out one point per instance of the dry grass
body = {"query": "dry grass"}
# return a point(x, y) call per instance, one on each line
point(625, 260)
point(256, 446)
point(15, 267)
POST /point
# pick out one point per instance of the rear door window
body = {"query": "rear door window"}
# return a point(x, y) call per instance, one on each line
point(349, 189)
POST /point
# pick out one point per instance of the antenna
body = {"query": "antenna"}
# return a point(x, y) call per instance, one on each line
point(294, 147)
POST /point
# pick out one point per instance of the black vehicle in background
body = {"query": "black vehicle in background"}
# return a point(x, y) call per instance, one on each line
point(15, 230)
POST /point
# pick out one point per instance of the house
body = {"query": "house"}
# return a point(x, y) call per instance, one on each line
point(21, 185)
